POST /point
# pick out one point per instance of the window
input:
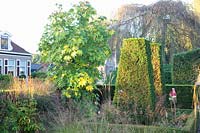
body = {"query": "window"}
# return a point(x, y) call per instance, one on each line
point(22, 67)
point(1, 66)
point(11, 67)
point(6, 66)
point(4, 42)
point(18, 66)
point(29, 68)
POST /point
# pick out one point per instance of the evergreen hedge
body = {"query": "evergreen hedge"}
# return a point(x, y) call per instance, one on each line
point(185, 67)
point(167, 68)
point(157, 67)
point(184, 95)
point(134, 84)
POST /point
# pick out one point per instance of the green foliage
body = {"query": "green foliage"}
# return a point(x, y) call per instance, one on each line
point(185, 67)
point(22, 76)
point(190, 123)
point(157, 67)
point(36, 59)
point(184, 95)
point(85, 108)
point(111, 79)
point(118, 123)
point(134, 83)
point(41, 75)
point(20, 116)
point(168, 73)
point(75, 42)
point(5, 81)
point(118, 128)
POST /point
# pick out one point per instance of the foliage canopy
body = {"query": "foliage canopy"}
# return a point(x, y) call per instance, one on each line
point(76, 43)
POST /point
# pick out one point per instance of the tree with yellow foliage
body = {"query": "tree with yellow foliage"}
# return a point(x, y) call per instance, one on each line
point(76, 43)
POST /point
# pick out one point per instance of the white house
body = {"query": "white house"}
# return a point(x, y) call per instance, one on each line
point(14, 60)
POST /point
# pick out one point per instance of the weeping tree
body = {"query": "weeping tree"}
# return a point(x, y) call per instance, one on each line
point(171, 23)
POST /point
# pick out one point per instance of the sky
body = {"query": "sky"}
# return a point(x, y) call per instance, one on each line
point(25, 19)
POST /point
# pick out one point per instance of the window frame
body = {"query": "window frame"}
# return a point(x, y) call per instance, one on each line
point(11, 66)
point(5, 66)
point(22, 66)
point(17, 67)
point(1, 66)
point(28, 67)
point(2, 38)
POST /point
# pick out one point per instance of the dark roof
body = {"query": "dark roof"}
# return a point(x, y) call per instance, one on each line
point(36, 66)
point(17, 48)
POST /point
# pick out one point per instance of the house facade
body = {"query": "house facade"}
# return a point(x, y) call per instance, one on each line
point(14, 60)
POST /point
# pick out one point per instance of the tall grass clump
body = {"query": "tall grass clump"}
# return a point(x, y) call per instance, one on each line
point(19, 107)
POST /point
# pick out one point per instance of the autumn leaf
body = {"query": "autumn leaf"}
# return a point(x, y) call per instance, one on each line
point(89, 88)
point(82, 82)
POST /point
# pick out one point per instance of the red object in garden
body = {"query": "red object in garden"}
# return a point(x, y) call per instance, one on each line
point(172, 93)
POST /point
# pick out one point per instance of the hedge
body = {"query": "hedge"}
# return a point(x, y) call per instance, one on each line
point(156, 60)
point(184, 95)
point(167, 68)
point(185, 67)
point(134, 83)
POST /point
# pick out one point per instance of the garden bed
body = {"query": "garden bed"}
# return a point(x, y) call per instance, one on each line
point(102, 126)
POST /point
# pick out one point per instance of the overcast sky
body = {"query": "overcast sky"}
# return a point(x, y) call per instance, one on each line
point(25, 19)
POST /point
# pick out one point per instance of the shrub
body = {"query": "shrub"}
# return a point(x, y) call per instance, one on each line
point(22, 75)
point(19, 112)
point(20, 116)
point(41, 75)
point(134, 83)
point(185, 67)
point(48, 106)
point(190, 124)
point(184, 95)
point(5, 81)
point(156, 60)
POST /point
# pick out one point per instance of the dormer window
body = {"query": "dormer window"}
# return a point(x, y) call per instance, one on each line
point(4, 42)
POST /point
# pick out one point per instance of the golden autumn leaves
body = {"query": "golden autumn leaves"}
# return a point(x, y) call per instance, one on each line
point(81, 82)
point(75, 42)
